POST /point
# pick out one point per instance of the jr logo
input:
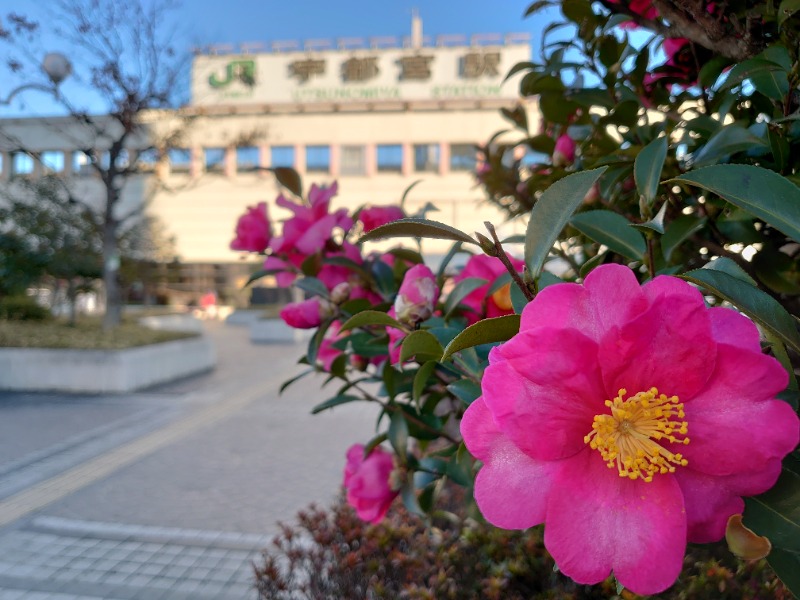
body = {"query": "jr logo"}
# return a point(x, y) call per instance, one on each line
point(243, 70)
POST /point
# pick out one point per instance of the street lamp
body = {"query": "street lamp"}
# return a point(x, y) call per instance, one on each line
point(57, 68)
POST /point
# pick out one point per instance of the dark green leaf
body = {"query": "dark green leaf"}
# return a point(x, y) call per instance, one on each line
point(780, 148)
point(462, 289)
point(776, 513)
point(518, 299)
point(773, 84)
point(413, 227)
point(542, 143)
point(647, 168)
point(710, 72)
point(678, 232)
point(312, 285)
point(407, 191)
point(421, 379)
point(454, 249)
point(787, 567)
point(786, 9)
point(748, 68)
point(725, 142)
point(613, 230)
point(465, 390)
point(408, 493)
point(370, 317)
point(552, 212)
point(335, 401)
point(758, 305)
point(729, 267)
point(289, 382)
point(764, 193)
point(420, 344)
point(556, 109)
point(485, 331)
point(398, 433)
point(656, 223)
point(290, 179)
point(520, 66)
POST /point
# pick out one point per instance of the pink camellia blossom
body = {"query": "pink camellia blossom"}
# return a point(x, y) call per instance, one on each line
point(367, 482)
point(630, 420)
point(417, 296)
point(306, 314)
point(375, 216)
point(253, 230)
point(643, 8)
point(311, 227)
point(488, 268)
point(564, 153)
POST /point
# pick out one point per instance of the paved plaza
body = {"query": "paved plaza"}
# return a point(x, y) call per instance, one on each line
point(169, 493)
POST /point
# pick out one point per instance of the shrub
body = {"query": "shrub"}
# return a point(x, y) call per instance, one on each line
point(332, 554)
point(22, 308)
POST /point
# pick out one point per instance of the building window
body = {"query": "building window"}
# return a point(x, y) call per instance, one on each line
point(426, 157)
point(282, 156)
point(462, 157)
point(147, 159)
point(21, 164)
point(180, 159)
point(318, 159)
point(247, 159)
point(390, 158)
point(353, 160)
point(214, 159)
point(81, 163)
point(53, 161)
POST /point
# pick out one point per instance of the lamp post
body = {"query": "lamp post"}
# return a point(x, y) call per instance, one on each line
point(57, 68)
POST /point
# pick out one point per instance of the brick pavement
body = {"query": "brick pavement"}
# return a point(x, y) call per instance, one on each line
point(167, 494)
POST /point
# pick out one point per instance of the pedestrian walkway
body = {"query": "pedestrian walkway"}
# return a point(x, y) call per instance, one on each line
point(168, 494)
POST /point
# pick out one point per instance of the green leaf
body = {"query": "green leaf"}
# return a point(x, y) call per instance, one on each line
point(786, 9)
point(613, 230)
point(413, 227)
point(465, 390)
point(780, 148)
point(680, 230)
point(463, 289)
point(647, 168)
point(787, 567)
point(421, 379)
point(290, 179)
point(335, 401)
point(398, 433)
point(729, 267)
point(420, 344)
point(776, 513)
point(758, 305)
point(656, 223)
point(408, 493)
point(312, 285)
point(552, 212)
point(726, 141)
point(289, 382)
point(764, 193)
point(486, 331)
point(370, 317)
point(748, 68)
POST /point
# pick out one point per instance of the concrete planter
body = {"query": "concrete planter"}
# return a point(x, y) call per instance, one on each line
point(275, 331)
point(104, 371)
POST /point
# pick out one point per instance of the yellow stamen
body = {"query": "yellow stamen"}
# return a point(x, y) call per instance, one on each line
point(629, 437)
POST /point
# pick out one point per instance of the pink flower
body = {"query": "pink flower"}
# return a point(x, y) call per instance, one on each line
point(629, 420)
point(311, 227)
point(643, 8)
point(375, 216)
point(253, 230)
point(396, 337)
point(366, 481)
point(564, 153)
point(306, 314)
point(488, 268)
point(417, 296)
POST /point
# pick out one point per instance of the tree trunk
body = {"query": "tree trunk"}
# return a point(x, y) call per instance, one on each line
point(72, 296)
point(111, 260)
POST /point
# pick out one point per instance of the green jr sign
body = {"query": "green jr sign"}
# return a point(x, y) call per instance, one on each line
point(242, 70)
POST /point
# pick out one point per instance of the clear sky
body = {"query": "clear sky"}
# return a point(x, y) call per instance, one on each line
point(205, 22)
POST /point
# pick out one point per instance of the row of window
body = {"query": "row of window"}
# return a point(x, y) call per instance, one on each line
point(352, 159)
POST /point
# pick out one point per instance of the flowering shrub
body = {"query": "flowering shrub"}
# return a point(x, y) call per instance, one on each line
point(631, 382)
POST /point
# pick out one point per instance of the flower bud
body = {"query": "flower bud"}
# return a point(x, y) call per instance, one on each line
point(417, 296)
point(306, 314)
point(340, 293)
point(564, 153)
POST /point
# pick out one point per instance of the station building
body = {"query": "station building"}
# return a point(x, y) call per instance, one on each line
point(373, 114)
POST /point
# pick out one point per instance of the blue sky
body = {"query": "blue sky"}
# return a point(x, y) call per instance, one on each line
point(204, 22)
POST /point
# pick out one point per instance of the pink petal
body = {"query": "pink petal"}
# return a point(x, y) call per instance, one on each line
point(734, 425)
point(669, 346)
point(598, 522)
point(511, 488)
point(731, 327)
point(615, 295)
point(710, 500)
point(544, 390)
point(564, 305)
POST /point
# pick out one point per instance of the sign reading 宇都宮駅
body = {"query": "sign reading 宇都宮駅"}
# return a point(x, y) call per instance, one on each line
point(402, 74)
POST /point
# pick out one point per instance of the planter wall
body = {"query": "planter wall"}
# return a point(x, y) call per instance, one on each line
point(102, 371)
point(275, 331)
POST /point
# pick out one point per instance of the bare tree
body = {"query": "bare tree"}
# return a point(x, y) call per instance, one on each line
point(125, 60)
